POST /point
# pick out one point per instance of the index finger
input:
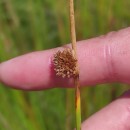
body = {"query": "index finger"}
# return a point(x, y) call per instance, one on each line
point(101, 60)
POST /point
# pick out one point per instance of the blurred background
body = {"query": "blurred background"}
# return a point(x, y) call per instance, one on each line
point(32, 25)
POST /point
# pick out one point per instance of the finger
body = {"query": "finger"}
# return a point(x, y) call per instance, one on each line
point(115, 116)
point(102, 59)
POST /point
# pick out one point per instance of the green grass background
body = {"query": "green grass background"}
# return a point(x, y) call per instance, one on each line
point(32, 25)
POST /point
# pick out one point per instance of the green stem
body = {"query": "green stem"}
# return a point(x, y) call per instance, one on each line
point(78, 105)
point(76, 79)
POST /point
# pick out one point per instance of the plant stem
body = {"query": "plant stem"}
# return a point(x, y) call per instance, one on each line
point(76, 79)
point(77, 104)
point(72, 27)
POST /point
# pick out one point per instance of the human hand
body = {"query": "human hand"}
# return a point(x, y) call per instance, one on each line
point(101, 60)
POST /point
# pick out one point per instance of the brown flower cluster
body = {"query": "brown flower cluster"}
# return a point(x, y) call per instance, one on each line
point(65, 63)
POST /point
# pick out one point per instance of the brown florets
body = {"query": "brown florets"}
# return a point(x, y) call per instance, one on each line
point(65, 63)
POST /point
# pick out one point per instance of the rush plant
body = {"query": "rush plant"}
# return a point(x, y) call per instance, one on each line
point(66, 65)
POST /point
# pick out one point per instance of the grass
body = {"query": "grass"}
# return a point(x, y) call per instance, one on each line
point(29, 25)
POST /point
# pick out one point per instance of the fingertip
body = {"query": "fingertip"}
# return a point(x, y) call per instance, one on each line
point(114, 116)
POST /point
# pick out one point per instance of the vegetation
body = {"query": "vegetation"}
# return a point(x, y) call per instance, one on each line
point(30, 25)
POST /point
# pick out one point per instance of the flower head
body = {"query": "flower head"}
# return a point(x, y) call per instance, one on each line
point(65, 63)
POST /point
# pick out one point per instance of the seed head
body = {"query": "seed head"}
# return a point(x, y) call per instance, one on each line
point(65, 63)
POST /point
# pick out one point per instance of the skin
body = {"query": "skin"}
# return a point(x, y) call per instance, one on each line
point(101, 60)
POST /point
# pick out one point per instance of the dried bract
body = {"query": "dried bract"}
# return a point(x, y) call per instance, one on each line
point(65, 63)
